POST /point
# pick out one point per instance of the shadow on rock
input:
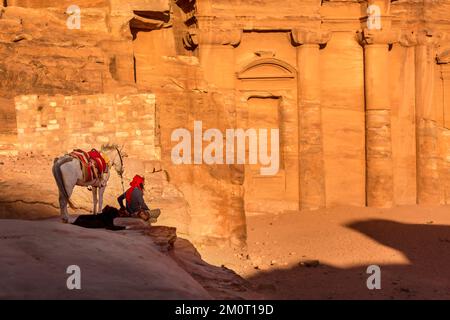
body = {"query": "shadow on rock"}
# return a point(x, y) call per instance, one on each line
point(220, 282)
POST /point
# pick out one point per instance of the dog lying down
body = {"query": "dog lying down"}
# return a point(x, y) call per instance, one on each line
point(101, 220)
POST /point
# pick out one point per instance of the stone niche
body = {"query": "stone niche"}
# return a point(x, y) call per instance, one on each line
point(267, 99)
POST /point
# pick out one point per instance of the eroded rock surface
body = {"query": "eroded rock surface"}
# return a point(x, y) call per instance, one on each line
point(140, 262)
point(114, 265)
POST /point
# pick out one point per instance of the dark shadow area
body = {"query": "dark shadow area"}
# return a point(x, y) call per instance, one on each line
point(186, 5)
point(220, 282)
point(153, 15)
point(147, 21)
point(425, 276)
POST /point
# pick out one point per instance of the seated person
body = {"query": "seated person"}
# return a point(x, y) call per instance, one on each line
point(135, 204)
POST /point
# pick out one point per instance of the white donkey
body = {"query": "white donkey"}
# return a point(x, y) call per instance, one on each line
point(68, 173)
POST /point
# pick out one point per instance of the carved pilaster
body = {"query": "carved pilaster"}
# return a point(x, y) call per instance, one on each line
point(382, 37)
point(301, 37)
point(311, 162)
point(216, 53)
point(196, 37)
point(379, 166)
point(427, 150)
point(378, 135)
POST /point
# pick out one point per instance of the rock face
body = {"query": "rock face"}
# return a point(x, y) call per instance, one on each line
point(358, 91)
point(140, 262)
point(36, 256)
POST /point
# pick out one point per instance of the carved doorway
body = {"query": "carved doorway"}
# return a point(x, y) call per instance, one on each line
point(267, 99)
point(263, 113)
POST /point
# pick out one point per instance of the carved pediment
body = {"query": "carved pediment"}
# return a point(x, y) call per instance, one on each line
point(267, 68)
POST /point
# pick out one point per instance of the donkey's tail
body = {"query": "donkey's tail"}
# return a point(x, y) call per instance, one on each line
point(56, 169)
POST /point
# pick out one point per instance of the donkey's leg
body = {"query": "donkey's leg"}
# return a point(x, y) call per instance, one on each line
point(94, 199)
point(69, 189)
point(63, 208)
point(70, 178)
point(100, 198)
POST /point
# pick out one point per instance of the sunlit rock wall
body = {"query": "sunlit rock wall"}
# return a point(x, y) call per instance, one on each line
point(362, 112)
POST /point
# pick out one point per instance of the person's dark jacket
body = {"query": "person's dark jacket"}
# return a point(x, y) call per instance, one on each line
point(137, 201)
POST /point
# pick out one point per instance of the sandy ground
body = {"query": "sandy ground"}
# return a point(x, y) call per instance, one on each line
point(410, 244)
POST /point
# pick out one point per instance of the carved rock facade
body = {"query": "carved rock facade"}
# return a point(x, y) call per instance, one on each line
point(359, 91)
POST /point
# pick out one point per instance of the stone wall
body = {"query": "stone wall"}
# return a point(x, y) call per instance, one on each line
point(52, 124)
point(8, 127)
point(7, 116)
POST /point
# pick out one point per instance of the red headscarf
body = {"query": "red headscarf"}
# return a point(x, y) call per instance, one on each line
point(137, 182)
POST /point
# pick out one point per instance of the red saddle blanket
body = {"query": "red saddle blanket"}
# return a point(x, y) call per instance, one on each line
point(93, 164)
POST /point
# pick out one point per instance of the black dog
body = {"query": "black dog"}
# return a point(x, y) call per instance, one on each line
point(101, 220)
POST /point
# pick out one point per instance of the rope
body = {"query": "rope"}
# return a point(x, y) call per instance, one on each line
point(121, 180)
point(121, 164)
